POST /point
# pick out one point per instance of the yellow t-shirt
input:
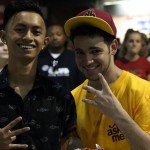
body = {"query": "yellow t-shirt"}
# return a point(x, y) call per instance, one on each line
point(95, 128)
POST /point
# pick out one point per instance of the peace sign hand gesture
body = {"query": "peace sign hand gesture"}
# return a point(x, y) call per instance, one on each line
point(105, 100)
point(7, 136)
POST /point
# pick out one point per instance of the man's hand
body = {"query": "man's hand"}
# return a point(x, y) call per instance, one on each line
point(105, 100)
point(7, 136)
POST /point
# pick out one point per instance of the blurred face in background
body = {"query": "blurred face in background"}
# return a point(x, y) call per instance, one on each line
point(3, 51)
point(57, 38)
point(134, 43)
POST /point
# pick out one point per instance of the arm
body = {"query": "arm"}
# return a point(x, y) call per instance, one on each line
point(67, 140)
point(137, 138)
point(110, 106)
point(7, 136)
point(69, 122)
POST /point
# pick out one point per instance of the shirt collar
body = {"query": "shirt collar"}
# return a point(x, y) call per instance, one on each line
point(4, 82)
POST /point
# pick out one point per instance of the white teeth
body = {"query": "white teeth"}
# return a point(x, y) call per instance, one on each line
point(26, 46)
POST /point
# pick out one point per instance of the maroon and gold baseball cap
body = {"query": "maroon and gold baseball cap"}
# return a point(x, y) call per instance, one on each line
point(93, 17)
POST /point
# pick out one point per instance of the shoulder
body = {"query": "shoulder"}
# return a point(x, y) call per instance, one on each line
point(69, 52)
point(144, 60)
point(76, 92)
point(54, 89)
point(136, 83)
point(129, 81)
point(43, 53)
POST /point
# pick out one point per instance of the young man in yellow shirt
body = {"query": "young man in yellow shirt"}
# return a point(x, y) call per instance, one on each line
point(116, 112)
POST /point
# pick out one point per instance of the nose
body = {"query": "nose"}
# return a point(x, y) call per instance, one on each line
point(55, 37)
point(28, 36)
point(89, 59)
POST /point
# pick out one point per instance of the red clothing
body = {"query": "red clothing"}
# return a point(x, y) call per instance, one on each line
point(140, 67)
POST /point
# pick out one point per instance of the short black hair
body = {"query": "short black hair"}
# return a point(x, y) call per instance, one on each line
point(87, 30)
point(18, 6)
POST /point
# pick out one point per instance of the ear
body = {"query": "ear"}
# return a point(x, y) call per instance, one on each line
point(2, 36)
point(46, 41)
point(114, 47)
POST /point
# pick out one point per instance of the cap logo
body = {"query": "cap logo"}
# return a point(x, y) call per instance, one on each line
point(90, 13)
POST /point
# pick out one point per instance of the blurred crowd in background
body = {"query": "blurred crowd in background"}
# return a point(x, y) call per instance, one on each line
point(133, 46)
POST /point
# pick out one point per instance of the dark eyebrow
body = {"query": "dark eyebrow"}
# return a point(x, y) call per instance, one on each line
point(20, 24)
point(91, 48)
point(23, 25)
point(94, 47)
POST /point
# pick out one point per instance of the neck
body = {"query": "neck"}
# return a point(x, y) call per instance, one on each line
point(132, 57)
point(56, 50)
point(3, 63)
point(21, 74)
point(111, 76)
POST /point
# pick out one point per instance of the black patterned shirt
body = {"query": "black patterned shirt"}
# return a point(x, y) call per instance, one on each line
point(48, 109)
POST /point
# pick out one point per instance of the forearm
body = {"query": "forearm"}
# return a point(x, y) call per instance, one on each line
point(65, 141)
point(137, 138)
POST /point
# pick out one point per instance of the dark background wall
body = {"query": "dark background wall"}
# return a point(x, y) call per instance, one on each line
point(58, 11)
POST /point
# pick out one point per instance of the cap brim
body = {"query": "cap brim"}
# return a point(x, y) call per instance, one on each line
point(87, 20)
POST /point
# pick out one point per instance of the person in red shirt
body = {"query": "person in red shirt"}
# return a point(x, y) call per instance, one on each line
point(129, 56)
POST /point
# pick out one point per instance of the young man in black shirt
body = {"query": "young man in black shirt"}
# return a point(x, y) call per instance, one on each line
point(47, 111)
